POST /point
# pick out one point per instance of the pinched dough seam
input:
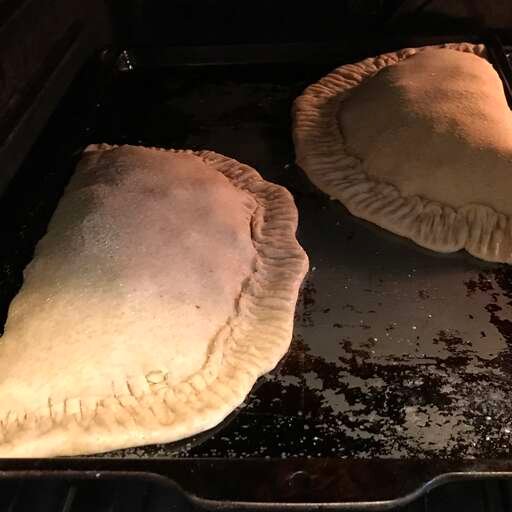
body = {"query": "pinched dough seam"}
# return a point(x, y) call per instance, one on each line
point(321, 152)
point(250, 344)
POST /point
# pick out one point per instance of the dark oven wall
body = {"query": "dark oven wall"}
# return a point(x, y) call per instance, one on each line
point(43, 43)
point(206, 22)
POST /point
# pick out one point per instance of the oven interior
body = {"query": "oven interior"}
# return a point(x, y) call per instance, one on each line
point(400, 366)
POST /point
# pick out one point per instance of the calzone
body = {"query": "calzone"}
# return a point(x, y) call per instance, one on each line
point(165, 286)
point(417, 141)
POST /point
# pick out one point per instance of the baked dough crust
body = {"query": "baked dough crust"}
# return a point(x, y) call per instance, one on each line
point(72, 378)
point(388, 182)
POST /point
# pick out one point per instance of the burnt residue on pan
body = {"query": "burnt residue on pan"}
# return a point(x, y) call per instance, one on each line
point(365, 396)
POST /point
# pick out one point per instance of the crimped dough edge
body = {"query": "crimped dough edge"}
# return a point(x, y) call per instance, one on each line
point(321, 153)
point(251, 343)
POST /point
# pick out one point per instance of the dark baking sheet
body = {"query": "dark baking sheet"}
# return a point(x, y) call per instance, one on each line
point(398, 353)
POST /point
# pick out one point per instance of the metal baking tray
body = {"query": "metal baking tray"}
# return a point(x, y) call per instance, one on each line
point(400, 370)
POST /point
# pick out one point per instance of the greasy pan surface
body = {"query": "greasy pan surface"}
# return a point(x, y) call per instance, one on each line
point(398, 352)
